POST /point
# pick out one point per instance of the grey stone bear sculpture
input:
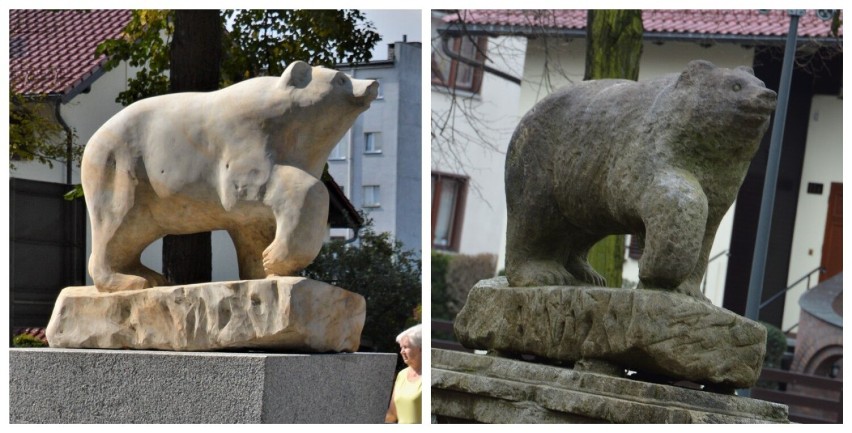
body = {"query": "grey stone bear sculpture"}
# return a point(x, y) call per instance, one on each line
point(662, 159)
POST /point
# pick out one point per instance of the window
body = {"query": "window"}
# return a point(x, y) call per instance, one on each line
point(371, 196)
point(455, 74)
point(372, 142)
point(449, 193)
point(339, 151)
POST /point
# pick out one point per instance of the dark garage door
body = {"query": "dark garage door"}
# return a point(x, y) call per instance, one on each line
point(47, 251)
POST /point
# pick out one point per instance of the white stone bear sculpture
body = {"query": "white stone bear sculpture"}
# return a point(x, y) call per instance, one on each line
point(246, 159)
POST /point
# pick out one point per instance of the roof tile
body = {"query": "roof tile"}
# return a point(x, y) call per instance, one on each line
point(50, 52)
point(728, 21)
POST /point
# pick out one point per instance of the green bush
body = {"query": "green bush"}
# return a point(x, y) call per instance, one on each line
point(27, 340)
point(463, 272)
point(440, 302)
point(776, 345)
point(378, 269)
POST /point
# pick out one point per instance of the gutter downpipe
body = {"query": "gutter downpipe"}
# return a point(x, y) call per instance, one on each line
point(445, 47)
point(69, 139)
point(767, 202)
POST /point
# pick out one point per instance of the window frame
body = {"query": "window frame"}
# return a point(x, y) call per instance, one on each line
point(457, 213)
point(451, 81)
point(377, 142)
point(376, 196)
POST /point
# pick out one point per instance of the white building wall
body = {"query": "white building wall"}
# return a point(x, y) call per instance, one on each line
point(496, 107)
point(396, 168)
point(822, 164)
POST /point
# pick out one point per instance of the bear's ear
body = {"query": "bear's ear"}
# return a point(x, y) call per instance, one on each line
point(746, 69)
point(694, 70)
point(297, 74)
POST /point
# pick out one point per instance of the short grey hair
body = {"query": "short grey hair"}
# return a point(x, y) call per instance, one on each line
point(414, 334)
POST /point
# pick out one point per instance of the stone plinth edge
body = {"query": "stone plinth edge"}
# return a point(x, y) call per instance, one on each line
point(488, 389)
point(123, 386)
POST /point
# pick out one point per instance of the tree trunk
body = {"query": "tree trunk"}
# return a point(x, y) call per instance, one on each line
point(613, 44)
point(196, 54)
point(613, 50)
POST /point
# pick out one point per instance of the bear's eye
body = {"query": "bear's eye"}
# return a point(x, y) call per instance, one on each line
point(737, 87)
point(340, 81)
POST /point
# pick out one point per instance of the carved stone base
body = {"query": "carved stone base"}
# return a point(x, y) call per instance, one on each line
point(647, 331)
point(284, 313)
point(487, 389)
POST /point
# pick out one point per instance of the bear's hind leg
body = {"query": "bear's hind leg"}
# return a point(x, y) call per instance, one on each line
point(249, 241)
point(115, 263)
point(536, 247)
point(578, 265)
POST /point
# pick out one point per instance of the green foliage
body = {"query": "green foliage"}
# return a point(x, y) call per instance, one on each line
point(27, 340)
point(776, 345)
point(440, 302)
point(263, 42)
point(34, 135)
point(75, 193)
point(259, 42)
point(607, 258)
point(146, 44)
point(380, 270)
point(463, 272)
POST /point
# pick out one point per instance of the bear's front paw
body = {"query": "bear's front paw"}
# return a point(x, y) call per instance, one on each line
point(279, 261)
point(121, 283)
point(539, 273)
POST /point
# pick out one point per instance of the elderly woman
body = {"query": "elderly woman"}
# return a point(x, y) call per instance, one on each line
point(405, 401)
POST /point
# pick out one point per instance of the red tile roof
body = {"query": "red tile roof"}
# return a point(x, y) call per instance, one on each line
point(52, 52)
point(709, 22)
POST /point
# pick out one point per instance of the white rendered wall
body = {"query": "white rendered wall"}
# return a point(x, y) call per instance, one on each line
point(496, 106)
point(823, 164)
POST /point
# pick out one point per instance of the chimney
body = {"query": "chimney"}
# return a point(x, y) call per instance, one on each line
point(391, 52)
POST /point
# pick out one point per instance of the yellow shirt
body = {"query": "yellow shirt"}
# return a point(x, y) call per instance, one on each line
point(407, 398)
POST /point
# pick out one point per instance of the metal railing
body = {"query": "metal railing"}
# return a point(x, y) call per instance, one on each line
point(808, 287)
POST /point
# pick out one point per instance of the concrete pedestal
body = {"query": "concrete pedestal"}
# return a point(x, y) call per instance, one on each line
point(487, 389)
point(119, 386)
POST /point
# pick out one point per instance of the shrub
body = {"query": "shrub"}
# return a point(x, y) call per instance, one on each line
point(440, 301)
point(383, 273)
point(27, 340)
point(776, 345)
point(463, 272)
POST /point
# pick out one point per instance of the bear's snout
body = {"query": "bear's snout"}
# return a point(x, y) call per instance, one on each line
point(365, 91)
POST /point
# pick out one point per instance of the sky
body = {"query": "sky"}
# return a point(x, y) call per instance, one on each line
point(392, 25)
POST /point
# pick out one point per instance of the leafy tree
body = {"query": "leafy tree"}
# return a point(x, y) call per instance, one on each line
point(33, 136)
point(257, 42)
point(379, 269)
point(613, 50)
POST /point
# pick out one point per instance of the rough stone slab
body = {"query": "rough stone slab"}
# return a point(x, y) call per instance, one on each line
point(283, 313)
point(648, 331)
point(488, 389)
point(117, 386)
